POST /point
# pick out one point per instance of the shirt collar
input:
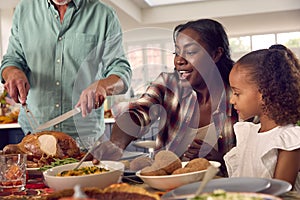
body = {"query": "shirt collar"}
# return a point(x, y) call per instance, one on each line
point(77, 3)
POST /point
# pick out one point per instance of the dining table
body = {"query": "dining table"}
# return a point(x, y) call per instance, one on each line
point(36, 189)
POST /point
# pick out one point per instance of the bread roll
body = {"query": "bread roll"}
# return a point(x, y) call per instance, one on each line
point(140, 163)
point(167, 160)
point(194, 165)
point(198, 164)
point(153, 171)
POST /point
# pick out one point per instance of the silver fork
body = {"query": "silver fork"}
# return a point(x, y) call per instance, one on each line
point(30, 117)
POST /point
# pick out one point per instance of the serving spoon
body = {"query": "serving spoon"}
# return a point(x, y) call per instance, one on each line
point(209, 174)
point(85, 156)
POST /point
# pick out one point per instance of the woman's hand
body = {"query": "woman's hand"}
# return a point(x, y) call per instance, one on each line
point(201, 149)
point(106, 151)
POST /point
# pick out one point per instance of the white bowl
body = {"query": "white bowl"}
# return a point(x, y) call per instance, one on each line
point(169, 182)
point(101, 180)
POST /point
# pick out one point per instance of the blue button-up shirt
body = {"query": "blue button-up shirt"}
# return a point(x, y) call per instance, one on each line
point(61, 59)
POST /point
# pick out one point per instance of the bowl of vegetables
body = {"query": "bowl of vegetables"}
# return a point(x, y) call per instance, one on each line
point(87, 175)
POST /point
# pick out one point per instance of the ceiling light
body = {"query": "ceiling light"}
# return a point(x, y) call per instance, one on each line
point(168, 2)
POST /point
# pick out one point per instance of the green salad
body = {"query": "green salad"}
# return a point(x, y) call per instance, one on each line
point(58, 162)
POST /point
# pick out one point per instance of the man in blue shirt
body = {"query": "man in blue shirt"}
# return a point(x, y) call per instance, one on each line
point(62, 54)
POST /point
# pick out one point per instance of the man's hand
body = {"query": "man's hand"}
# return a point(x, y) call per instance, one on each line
point(94, 95)
point(16, 84)
point(91, 98)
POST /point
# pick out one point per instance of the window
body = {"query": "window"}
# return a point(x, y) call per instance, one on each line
point(244, 44)
point(147, 61)
point(262, 41)
point(290, 40)
point(240, 46)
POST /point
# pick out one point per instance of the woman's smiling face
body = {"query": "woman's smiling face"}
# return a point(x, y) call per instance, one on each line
point(190, 56)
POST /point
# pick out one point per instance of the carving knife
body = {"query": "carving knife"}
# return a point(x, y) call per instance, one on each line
point(59, 119)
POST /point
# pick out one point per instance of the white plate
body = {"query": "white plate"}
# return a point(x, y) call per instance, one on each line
point(278, 187)
point(128, 155)
point(32, 168)
point(146, 144)
point(34, 171)
point(248, 195)
point(227, 184)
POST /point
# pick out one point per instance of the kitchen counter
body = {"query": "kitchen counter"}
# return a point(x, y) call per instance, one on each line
point(8, 126)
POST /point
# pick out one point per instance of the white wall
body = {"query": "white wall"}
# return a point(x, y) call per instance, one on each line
point(284, 21)
point(5, 26)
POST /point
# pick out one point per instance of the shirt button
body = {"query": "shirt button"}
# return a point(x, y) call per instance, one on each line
point(57, 83)
point(60, 38)
point(58, 60)
point(57, 105)
point(56, 126)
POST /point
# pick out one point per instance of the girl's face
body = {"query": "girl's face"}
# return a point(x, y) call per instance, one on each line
point(190, 54)
point(245, 98)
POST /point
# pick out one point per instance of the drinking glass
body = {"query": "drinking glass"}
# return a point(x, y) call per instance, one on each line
point(12, 172)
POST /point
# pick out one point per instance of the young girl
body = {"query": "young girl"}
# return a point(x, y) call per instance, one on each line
point(266, 83)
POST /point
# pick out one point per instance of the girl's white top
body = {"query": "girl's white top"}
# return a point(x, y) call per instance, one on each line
point(255, 154)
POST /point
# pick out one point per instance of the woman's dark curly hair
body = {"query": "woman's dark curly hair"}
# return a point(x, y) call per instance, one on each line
point(212, 33)
point(276, 72)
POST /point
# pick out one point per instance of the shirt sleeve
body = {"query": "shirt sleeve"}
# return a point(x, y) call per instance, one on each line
point(148, 107)
point(114, 59)
point(15, 55)
point(287, 139)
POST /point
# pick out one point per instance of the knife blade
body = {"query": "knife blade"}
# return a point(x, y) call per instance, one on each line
point(59, 119)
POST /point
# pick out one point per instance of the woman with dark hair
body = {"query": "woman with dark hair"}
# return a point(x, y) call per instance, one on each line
point(191, 104)
point(213, 34)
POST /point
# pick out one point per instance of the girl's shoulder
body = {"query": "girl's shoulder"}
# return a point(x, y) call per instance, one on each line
point(246, 125)
point(293, 129)
point(289, 130)
point(287, 137)
point(243, 130)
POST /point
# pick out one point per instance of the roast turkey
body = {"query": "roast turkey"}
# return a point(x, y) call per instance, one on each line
point(42, 147)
